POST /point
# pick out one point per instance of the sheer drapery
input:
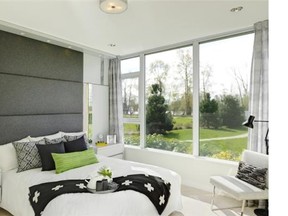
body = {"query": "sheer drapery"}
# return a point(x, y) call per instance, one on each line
point(259, 94)
point(115, 100)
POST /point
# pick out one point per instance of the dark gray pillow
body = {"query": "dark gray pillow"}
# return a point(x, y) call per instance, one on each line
point(27, 155)
point(253, 175)
point(71, 138)
point(46, 156)
point(75, 145)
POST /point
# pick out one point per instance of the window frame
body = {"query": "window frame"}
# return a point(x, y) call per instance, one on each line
point(133, 75)
point(196, 82)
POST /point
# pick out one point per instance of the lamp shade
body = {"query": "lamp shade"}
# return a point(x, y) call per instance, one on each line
point(113, 6)
point(249, 122)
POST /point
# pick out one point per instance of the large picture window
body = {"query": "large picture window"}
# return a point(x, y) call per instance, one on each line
point(224, 94)
point(169, 100)
point(161, 106)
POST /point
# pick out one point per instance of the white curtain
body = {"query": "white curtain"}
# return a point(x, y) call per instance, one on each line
point(115, 100)
point(259, 91)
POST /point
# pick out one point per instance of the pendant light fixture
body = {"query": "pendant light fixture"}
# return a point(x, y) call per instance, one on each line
point(113, 6)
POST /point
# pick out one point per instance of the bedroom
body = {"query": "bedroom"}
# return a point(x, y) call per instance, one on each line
point(71, 25)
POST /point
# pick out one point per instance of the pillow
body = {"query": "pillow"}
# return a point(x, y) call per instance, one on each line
point(75, 145)
point(8, 157)
point(54, 141)
point(46, 157)
point(253, 175)
point(27, 155)
point(76, 134)
point(52, 136)
point(68, 161)
point(74, 137)
point(72, 133)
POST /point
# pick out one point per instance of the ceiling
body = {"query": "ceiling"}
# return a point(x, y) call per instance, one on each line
point(147, 24)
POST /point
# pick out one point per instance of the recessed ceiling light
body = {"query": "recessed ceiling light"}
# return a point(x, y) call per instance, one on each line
point(113, 6)
point(112, 45)
point(236, 9)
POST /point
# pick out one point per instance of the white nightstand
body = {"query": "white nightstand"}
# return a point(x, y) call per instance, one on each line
point(112, 150)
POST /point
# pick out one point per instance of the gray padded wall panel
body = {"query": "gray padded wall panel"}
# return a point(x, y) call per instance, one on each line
point(25, 96)
point(41, 88)
point(17, 127)
point(21, 55)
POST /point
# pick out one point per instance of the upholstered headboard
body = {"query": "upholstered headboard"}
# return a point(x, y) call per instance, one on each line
point(41, 88)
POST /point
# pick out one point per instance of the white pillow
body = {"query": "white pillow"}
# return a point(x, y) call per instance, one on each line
point(52, 136)
point(76, 134)
point(8, 157)
point(73, 133)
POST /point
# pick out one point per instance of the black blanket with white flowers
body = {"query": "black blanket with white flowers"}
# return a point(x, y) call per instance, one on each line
point(155, 188)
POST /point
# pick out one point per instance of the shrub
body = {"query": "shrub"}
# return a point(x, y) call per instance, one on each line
point(158, 141)
point(158, 118)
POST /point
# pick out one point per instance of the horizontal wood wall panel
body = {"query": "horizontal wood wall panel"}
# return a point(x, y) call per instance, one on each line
point(21, 55)
point(26, 96)
point(17, 127)
point(41, 88)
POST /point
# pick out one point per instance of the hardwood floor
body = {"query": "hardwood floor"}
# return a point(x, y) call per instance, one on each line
point(4, 213)
point(197, 203)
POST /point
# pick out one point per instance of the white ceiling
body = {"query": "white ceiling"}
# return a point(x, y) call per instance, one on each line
point(146, 24)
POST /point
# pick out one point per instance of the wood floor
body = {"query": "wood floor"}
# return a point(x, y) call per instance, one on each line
point(197, 203)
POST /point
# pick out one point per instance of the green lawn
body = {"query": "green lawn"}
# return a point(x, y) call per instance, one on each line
point(229, 148)
point(186, 134)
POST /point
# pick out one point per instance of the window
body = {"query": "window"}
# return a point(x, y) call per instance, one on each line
point(162, 87)
point(224, 90)
point(169, 100)
point(90, 113)
point(130, 72)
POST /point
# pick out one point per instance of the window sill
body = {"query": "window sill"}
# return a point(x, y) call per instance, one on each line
point(182, 155)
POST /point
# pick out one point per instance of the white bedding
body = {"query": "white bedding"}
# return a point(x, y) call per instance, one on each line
point(127, 203)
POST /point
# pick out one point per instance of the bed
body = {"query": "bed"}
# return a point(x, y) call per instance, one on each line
point(15, 190)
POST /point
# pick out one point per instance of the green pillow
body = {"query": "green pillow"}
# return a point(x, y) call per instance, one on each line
point(67, 161)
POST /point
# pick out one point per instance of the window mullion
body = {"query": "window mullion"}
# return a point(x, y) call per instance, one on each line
point(142, 101)
point(196, 88)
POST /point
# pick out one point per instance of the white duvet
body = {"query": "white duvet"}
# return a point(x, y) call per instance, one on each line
point(126, 203)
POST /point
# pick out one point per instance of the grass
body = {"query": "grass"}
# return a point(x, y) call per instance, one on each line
point(183, 132)
point(186, 134)
point(182, 122)
point(234, 145)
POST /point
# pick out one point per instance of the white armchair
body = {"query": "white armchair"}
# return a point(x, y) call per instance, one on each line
point(239, 189)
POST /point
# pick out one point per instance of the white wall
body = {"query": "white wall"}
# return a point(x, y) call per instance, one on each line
point(96, 74)
point(100, 111)
point(195, 171)
point(92, 69)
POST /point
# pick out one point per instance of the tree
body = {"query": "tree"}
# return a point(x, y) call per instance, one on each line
point(231, 113)
point(129, 92)
point(209, 112)
point(158, 118)
point(185, 70)
point(159, 70)
point(242, 86)
point(206, 74)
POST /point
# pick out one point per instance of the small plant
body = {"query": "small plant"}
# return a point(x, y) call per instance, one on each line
point(105, 172)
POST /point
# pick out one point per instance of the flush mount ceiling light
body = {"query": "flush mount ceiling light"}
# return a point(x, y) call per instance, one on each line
point(236, 9)
point(113, 6)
